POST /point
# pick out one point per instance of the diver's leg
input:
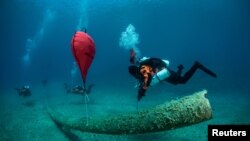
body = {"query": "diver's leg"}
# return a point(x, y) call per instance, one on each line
point(192, 70)
point(189, 73)
point(174, 77)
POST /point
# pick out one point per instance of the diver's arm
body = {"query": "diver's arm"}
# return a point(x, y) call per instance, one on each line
point(132, 58)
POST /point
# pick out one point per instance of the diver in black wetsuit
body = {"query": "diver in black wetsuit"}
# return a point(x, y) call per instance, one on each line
point(24, 91)
point(176, 77)
point(150, 71)
point(78, 89)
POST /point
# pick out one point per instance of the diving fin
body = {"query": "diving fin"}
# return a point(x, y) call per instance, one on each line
point(206, 70)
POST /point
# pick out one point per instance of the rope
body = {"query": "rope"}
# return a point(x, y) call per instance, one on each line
point(86, 107)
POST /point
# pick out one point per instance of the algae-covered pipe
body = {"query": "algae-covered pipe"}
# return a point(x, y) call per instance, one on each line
point(170, 115)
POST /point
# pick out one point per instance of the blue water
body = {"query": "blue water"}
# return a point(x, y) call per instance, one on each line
point(214, 32)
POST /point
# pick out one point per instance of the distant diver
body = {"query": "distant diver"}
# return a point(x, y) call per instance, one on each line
point(24, 91)
point(150, 71)
point(78, 89)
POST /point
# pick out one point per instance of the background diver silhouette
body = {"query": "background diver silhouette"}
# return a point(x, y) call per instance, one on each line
point(24, 91)
point(149, 71)
point(78, 89)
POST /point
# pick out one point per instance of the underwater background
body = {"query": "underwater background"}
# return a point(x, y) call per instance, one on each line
point(35, 46)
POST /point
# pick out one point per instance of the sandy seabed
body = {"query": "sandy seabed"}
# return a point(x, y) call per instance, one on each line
point(26, 119)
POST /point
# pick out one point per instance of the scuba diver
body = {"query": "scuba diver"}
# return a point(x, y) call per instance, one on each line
point(78, 89)
point(24, 91)
point(150, 71)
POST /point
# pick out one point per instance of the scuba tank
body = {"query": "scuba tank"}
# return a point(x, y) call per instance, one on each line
point(161, 75)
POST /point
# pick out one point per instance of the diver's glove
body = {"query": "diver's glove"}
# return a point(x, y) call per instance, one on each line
point(141, 93)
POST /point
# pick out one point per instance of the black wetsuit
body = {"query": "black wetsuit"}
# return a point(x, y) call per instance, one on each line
point(174, 78)
point(24, 91)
